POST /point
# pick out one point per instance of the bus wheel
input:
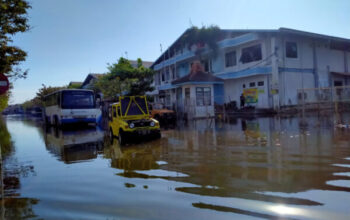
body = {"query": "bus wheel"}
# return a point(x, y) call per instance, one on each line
point(122, 138)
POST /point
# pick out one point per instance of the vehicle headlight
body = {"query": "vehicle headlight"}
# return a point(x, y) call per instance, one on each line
point(152, 123)
point(131, 125)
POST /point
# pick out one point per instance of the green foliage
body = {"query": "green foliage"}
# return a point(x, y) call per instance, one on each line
point(74, 86)
point(123, 78)
point(13, 19)
point(202, 36)
point(5, 139)
point(4, 101)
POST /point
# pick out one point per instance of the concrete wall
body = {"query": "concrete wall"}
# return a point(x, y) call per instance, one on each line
point(310, 70)
point(234, 88)
point(192, 109)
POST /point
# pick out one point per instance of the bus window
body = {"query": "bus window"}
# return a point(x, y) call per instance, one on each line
point(58, 99)
point(78, 99)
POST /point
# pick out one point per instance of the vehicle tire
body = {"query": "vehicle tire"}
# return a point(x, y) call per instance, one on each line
point(122, 138)
point(158, 135)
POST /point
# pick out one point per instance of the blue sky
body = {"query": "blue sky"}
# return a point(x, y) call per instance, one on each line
point(71, 38)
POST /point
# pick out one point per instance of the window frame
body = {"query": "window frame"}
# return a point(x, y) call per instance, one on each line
point(201, 98)
point(114, 112)
point(285, 49)
point(252, 46)
point(252, 84)
point(229, 52)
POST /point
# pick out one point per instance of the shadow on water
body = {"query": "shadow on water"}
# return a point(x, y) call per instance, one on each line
point(12, 206)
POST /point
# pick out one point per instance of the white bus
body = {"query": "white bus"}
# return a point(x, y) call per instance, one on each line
point(68, 106)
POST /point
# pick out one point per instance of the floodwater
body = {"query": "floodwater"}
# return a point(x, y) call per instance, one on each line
point(240, 169)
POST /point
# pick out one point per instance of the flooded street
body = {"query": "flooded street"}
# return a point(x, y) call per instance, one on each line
point(243, 169)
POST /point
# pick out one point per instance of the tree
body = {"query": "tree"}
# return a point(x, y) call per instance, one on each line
point(123, 78)
point(4, 98)
point(201, 37)
point(13, 19)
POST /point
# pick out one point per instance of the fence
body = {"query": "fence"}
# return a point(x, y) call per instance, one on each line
point(324, 98)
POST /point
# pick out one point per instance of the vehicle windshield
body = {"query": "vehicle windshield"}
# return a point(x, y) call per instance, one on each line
point(136, 106)
point(78, 99)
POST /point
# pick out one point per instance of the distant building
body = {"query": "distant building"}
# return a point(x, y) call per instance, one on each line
point(75, 84)
point(146, 64)
point(90, 80)
point(268, 66)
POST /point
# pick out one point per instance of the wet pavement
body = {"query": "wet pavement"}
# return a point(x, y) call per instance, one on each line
point(258, 168)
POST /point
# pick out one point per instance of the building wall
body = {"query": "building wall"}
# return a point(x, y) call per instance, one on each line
point(191, 108)
point(310, 69)
point(234, 89)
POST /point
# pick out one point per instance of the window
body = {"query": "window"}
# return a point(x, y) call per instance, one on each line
point(338, 83)
point(114, 112)
point(187, 96)
point(251, 54)
point(163, 77)
point(168, 100)
point(203, 96)
point(261, 83)
point(118, 109)
point(291, 50)
point(243, 86)
point(167, 76)
point(173, 72)
point(252, 84)
point(230, 59)
point(77, 99)
point(206, 65)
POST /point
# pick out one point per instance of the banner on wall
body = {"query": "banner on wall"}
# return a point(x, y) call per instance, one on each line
point(251, 95)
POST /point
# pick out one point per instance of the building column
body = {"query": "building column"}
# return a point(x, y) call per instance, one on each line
point(315, 64)
point(275, 75)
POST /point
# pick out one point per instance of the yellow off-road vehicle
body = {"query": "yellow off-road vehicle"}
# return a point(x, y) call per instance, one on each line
point(130, 117)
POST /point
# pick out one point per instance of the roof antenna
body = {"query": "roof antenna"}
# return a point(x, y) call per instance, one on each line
point(126, 55)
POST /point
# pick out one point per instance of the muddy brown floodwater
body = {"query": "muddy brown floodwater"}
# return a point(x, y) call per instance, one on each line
point(239, 169)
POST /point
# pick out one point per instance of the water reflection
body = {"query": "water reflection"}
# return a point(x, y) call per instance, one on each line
point(249, 159)
point(11, 172)
point(74, 144)
point(256, 167)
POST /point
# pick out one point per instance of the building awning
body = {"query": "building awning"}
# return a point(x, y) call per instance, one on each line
point(341, 73)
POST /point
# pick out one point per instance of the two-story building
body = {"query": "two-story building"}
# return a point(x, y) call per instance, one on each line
point(267, 66)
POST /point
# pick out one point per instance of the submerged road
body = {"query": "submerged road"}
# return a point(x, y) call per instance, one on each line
point(259, 168)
